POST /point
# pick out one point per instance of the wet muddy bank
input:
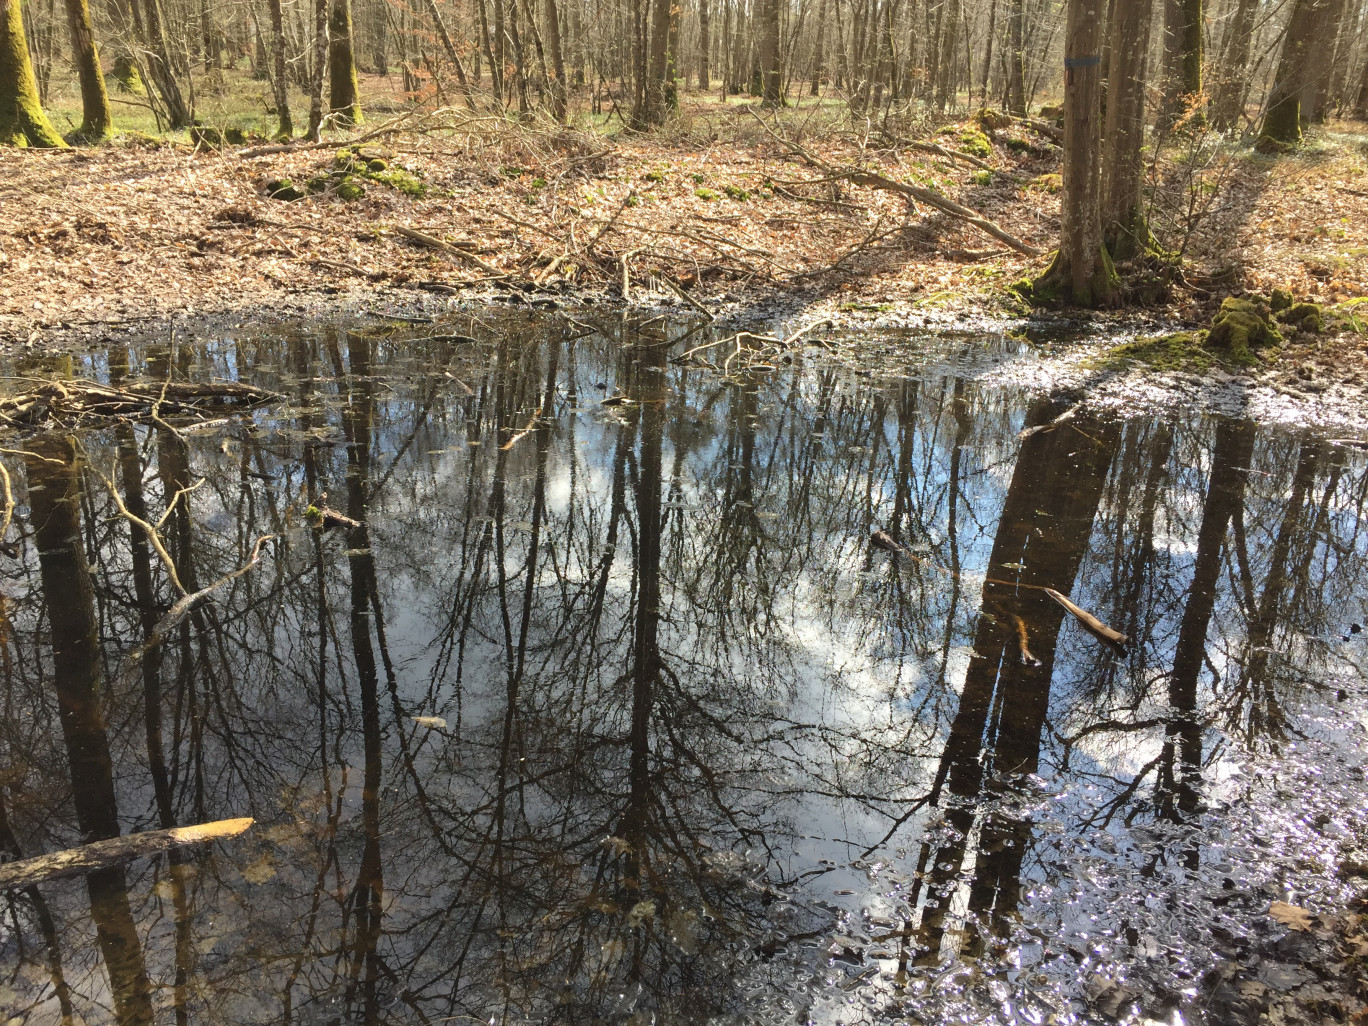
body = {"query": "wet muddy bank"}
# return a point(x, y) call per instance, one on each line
point(1316, 381)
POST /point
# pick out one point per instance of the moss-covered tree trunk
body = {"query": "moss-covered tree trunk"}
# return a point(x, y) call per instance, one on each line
point(1081, 272)
point(96, 121)
point(22, 121)
point(1123, 216)
point(1282, 119)
point(343, 92)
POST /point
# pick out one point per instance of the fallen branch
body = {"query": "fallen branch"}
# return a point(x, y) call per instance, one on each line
point(432, 242)
point(136, 401)
point(112, 851)
point(1089, 621)
point(873, 180)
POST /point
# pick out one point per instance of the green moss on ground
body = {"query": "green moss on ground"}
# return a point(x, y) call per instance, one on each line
point(1303, 317)
point(975, 143)
point(1183, 350)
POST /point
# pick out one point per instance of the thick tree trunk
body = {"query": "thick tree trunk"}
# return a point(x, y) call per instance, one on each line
point(1361, 101)
point(652, 109)
point(1282, 120)
point(560, 88)
point(319, 69)
point(343, 93)
point(1123, 216)
point(1016, 57)
point(1081, 272)
point(96, 121)
point(988, 53)
point(22, 121)
point(1316, 87)
point(772, 85)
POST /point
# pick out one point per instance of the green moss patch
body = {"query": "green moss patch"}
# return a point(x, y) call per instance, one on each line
point(975, 143)
point(1182, 350)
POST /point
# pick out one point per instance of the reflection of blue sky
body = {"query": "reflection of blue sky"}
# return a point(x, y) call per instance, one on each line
point(853, 677)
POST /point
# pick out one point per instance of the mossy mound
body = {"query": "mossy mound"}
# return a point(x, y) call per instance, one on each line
point(349, 189)
point(975, 143)
point(1280, 300)
point(283, 189)
point(206, 137)
point(374, 166)
point(990, 120)
point(1241, 328)
point(1183, 350)
point(1303, 317)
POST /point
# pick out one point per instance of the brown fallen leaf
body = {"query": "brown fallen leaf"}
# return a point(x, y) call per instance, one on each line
point(1294, 917)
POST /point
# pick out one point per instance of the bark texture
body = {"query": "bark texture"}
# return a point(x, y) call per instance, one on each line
point(22, 121)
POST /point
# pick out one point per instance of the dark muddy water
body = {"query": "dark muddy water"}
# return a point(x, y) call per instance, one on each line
point(614, 715)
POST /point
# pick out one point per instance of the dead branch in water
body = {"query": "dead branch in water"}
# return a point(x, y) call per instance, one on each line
point(62, 400)
point(109, 852)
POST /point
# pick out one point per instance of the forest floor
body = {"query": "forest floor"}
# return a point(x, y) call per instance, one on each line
point(718, 208)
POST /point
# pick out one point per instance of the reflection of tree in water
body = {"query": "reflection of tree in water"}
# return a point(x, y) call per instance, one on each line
point(545, 729)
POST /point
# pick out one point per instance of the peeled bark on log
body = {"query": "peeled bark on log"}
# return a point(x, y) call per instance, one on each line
point(100, 854)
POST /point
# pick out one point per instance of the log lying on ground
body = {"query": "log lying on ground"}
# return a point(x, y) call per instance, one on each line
point(139, 401)
point(873, 180)
point(100, 854)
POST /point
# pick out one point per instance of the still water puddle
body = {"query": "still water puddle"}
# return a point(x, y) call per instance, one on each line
point(605, 709)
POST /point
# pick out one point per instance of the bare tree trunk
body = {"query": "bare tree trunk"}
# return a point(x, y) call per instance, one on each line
point(1016, 57)
point(559, 86)
point(161, 68)
point(1081, 272)
point(1123, 216)
point(1361, 101)
point(95, 117)
point(653, 97)
point(343, 93)
point(987, 53)
point(1316, 89)
point(1232, 80)
point(771, 90)
point(705, 44)
point(281, 83)
point(1282, 119)
point(319, 69)
point(450, 49)
point(819, 50)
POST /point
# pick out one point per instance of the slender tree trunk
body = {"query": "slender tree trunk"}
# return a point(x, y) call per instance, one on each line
point(1123, 216)
point(440, 23)
point(988, 53)
point(653, 97)
point(1282, 119)
point(281, 82)
point(1182, 57)
point(1081, 272)
point(319, 69)
point(161, 67)
point(1232, 81)
point(819, 50)
point(209, 35)
point(343, 93)
point(705, 45)
point(22, 121)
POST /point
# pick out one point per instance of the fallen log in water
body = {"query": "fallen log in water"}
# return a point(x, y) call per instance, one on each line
point(99, 854)
point(1089, 621)
point(40, 401)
